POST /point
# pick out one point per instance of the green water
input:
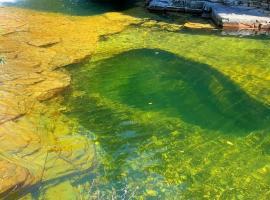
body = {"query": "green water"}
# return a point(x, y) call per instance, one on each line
point(175, 118)
point(153, 80)
point(174, 115)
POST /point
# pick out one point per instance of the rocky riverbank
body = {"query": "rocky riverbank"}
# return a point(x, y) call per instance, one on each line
point(227, 14)
point(37, 144)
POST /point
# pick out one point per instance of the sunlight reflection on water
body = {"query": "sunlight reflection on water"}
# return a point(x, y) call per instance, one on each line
point(7, 1)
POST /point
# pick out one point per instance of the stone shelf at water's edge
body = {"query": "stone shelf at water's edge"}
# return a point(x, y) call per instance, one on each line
point(224, 14)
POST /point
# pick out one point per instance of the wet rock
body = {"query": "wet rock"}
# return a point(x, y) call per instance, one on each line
point(13, 176)
point(44, 42)
point(228, 14)
point(37, 144)
point(238, 16)
point(54, 83)
point(61, 191)
point(193, 25)
point(41, 154)
point(161, 25)
point(75, 153)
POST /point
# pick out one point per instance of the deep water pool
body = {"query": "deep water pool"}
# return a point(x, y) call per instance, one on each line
point(175, 118)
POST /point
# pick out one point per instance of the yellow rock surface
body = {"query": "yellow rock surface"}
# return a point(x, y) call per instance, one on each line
point(194, 25)
point(36, 145)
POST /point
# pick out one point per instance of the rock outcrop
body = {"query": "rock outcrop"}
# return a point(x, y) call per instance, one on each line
point(36, 143)
point(232, 14)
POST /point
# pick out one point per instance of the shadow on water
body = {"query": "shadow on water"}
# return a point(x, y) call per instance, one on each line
point(164, 83)
point(159, 81)
point(75, 7)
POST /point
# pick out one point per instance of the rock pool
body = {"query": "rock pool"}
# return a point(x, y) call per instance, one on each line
point(173, 113)
point(175, 118)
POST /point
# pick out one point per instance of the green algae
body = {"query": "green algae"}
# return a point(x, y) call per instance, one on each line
point(174, 117)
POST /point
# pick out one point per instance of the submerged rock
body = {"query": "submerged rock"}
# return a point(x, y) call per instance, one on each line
point(198, 25)
point(13, 176)
point(162, 25)
point(61, 191)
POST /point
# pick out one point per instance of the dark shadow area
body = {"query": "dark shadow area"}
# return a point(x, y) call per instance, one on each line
point(159, 81)
point(75, 7)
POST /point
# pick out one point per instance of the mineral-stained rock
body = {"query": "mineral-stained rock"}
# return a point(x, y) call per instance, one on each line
point(13, 176)
point(193, 25)
point(39, 153)
point(54, 83)
point(161, 25)
point(36, 143)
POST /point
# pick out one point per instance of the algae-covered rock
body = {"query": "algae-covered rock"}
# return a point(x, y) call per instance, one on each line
point(193, 25)
point(161, 25)
point(60, 191)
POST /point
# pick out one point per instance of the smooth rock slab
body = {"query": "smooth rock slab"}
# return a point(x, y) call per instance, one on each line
point(238, 16)
point(13, 176)
point(227, 16)
point(36, 144)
